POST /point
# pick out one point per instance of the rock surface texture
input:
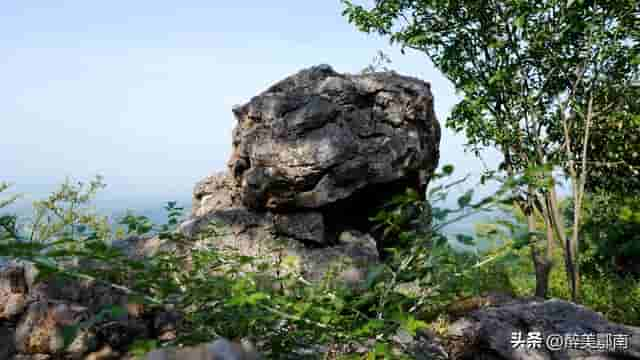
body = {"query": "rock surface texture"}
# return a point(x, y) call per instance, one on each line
point(313, 155)
point(35, 316)
point(577, 333)
point(319, 137)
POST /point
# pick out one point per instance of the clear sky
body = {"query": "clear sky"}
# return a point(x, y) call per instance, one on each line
point(141, 91)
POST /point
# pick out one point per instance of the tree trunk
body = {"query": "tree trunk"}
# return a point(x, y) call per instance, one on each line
point(566, 241)
point(543, 269)
point(541, 261)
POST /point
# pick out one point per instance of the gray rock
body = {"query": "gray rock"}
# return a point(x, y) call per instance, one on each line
point(303, 226)
point(318, 137)
point(257, 234)
point(215, 192)
point(35, 328)
point(166, 324)
point(140, 247)
point(313, 156)
point(220, 349)
point(7, 344)
point(92, 295)
point(13, 291)
point(40, 330)
point(32, 357)
point(487, 333)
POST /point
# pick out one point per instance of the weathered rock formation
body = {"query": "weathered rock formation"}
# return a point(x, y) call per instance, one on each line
point(573, 332)
point(319, 137)
point(34, 316)
point(314, 155)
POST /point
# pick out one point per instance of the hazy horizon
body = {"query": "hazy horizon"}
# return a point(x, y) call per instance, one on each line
point(142, 92)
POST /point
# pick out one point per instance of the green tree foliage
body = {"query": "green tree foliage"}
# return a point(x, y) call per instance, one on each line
point(8, 222)
point(614, 151)
point(612, 233)
point(615, 294)
point(536, 76)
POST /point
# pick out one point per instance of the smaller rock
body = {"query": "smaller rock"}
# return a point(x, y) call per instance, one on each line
point(304, 226)
point(428, 346)
point(140, 247)
point(40, 330)
point(105, 353)
point(7, 344)
point(352, 257)
point(166, 324)
point(13, 291)
point(221, 349)
point(121, 333)
point(215, 192)
point(486, 333)
point(32, 357)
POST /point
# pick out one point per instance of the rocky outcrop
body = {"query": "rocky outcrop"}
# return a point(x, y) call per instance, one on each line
point(37, 316)
point(538, 329)
point(314, 155)
point(319, 137)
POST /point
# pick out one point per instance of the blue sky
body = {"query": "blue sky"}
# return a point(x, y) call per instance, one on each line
point(141, 92)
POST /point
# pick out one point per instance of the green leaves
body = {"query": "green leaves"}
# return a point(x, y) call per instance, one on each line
point(465, 199)
point(138, 225)
point(447, 169)
point(374, 275)
point(465, 239)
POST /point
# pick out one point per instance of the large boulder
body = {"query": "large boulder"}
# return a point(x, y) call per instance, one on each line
point(539, 329)
point(318, 137)
point(317, 152)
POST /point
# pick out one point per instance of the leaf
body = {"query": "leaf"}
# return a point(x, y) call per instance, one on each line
point(142, 347)
point(254, 298)
point(412, 195)
point(448, 169)
point(411, 325)
point(465, 199)
point(69, 333)
point(465, 239)
point(523, 239)
point(381, 348)
point(374, 275)
point(441, 240)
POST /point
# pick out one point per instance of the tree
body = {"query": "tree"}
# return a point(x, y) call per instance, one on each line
point(8, 222)
point(614, 158)
point(536, 76)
